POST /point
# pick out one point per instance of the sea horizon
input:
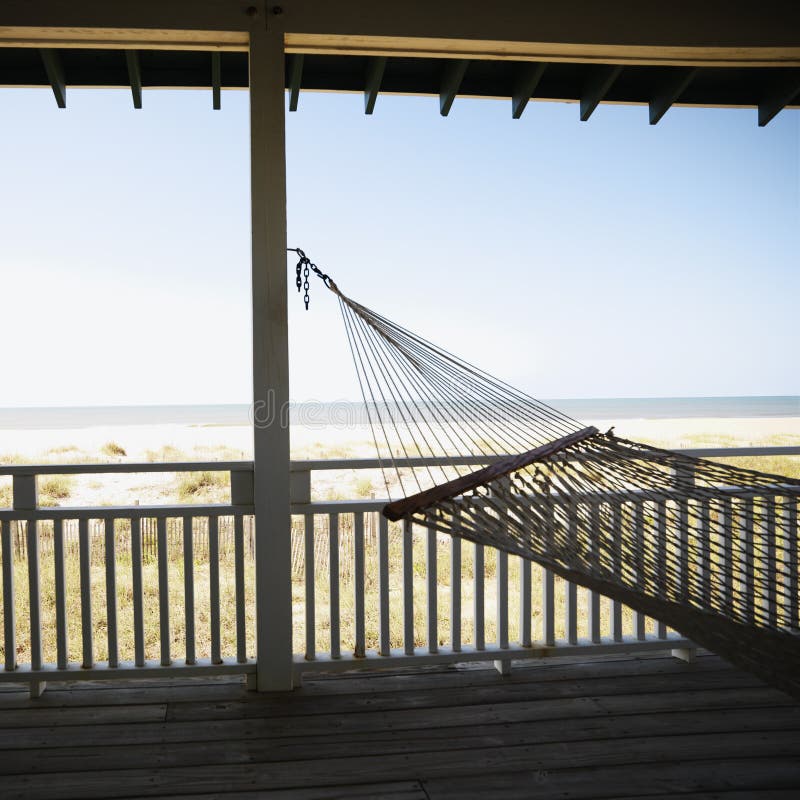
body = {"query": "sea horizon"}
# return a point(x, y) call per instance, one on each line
point(601, 408)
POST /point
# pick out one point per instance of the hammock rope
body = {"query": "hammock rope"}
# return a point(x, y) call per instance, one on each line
point(708, 549)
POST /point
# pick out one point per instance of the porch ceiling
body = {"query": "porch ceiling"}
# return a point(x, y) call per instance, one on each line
point(769, 89)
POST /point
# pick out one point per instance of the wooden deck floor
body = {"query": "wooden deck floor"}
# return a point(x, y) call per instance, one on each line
point(609, 728)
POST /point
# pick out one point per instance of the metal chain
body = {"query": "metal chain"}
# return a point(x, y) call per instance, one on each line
point(303, 269)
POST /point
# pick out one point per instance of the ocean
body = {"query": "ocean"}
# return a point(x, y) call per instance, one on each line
point(605, 408)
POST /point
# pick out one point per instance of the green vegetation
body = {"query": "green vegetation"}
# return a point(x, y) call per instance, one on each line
point(13, 458)
point(113, 450)
point(54, 488)
point(364, 487)
point(785, 466)
point(165, 453)
point(204, 487)
point(60, 450)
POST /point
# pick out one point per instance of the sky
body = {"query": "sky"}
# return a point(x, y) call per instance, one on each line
point(608, 258)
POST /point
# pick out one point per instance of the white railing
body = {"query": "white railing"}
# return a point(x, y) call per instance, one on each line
point(140, 591)
point(121, 594)
point(514, 609)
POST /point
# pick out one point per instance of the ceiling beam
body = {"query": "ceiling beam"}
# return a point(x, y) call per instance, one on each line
point(55, 74)
point(372, 84)
point(597, 87)
point(452, 76)
point(134, 76)
point(525, 85)
point(216, 81)
point(711, 33)
point(670, 92)
point(104, 38)
point(780, 96)
point(295, 78)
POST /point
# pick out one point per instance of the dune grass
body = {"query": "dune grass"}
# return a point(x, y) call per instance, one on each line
point(113, 450)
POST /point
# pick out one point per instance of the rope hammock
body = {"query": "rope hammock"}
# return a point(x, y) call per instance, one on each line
point(709, 550)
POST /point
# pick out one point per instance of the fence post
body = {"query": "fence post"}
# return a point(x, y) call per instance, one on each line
point(25, 498)
point(25, 493)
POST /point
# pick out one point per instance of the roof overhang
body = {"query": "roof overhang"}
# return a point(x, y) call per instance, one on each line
point(712, 54)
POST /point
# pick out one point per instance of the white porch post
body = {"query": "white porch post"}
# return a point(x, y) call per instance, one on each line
point(270, 355)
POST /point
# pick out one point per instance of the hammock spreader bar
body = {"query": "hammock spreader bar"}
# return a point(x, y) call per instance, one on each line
point(409, 506)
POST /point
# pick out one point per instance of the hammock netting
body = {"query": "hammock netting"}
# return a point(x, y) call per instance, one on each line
point(707, 549)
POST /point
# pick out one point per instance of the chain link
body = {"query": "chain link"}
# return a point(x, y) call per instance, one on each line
point(303, 269)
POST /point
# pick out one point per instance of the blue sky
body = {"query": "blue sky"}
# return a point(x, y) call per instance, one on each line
point(607, 258)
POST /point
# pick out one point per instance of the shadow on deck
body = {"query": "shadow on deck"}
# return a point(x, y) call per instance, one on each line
point(608, 728)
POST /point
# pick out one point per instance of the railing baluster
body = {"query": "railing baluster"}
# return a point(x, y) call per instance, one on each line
point(333, 560)
point(86, 592)
point(548, 585)
point(432, 591)
point(9, 604)
point(62, 634)
point(683, 480)
point(746, 599)
point(768, 563)
point(241, 616)
point(138, 600)
point(525, 602)
point(595, 634)
point(111, 591)
point(726, 527)
point(573, 531)
point(163, 591)
point(617, 530)
point(502, 599)
point(34, 594)
point(213, 589)
point(790, 512)
point(383, 584)
point(640, 620)
point(188, 588)
point(704, 568)
point(548, 607)
point(684, 578)
point(478, 598)
point(661, 558)
point(310, 588)
point(455, 593)
point(572, 612)
point(358, 584)
point(408, 587)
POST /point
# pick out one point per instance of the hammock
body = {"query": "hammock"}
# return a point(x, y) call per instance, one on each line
point(707, 549)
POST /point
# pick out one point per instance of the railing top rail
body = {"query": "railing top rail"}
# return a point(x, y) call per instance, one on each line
point(125, 512)
point(126, 467)
point(618, 496)
point(313, 465)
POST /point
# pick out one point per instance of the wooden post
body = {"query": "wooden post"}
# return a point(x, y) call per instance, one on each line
point(270, 355)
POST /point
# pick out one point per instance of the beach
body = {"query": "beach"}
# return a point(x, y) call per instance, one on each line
point(212, 441)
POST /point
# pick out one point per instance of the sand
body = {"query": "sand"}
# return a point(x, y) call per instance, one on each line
point(148, 443)
point(144, 442)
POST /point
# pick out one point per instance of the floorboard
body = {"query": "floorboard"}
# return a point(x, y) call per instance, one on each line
point(638, 727)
